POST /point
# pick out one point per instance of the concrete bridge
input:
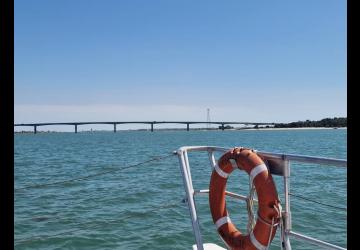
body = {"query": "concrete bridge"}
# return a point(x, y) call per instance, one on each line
point(151, 123)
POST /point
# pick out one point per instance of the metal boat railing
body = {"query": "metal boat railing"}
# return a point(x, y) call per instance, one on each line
point(279, 164)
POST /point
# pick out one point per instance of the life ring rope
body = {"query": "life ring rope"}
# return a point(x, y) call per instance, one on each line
point(233, 163)
point(267, 223)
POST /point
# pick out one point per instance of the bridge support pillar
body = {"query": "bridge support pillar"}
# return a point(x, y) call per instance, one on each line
point(35, 131)
point(187, 126)
point(114, 127)
point(75, 128)
point(152, 127)
point(222, 127)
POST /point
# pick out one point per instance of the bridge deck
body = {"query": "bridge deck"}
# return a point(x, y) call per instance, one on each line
point(76, 124)
point(142, 122)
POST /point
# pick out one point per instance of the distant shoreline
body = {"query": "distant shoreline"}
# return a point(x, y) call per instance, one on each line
point(181, 129)
point(300, 128)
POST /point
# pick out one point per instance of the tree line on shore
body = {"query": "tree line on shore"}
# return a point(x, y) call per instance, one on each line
point(327, 122)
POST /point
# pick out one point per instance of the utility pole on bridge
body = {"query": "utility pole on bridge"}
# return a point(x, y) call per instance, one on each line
point(208, 119)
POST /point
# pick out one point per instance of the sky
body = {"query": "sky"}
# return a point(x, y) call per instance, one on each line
point(256, 61)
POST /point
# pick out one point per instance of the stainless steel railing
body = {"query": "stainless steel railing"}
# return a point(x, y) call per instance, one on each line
point(279, 164)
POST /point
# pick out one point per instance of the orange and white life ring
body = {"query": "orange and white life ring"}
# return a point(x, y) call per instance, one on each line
point(269, 208)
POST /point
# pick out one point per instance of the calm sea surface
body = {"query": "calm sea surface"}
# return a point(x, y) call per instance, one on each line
point(140, 207)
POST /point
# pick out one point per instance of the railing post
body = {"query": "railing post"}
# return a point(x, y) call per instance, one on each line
point(190, 198)
point(287, 213)
point(114, 127)
point(187, 126)
point(35, 129)
point(75, 128)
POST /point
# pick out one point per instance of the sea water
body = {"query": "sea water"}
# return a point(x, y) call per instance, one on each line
point(141, 207)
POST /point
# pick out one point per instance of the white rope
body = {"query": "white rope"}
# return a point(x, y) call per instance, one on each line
point(271, 229)
point(266, 223)
point(250, 199)
point(233, 163)
point(250, 203)
point(278, 209)
point(250, 207)
point(282, 232)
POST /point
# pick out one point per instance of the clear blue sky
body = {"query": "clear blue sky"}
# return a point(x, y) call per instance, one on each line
point(275, 61)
